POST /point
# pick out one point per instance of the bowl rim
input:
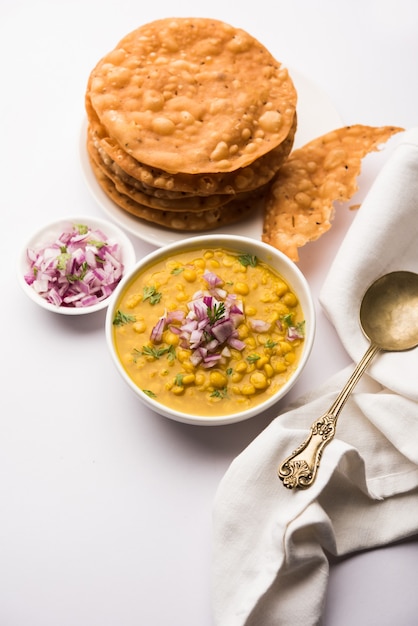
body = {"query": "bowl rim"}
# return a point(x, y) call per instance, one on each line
point(115, 234)
point(237, 242)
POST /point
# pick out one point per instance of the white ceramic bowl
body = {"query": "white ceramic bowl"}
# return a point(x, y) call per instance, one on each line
point(51, 231)
point(275, 259)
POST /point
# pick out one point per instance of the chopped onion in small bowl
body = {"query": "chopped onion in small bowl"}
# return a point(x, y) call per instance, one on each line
point(72, 266)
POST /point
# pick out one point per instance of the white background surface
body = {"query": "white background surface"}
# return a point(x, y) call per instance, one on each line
point(105, 508)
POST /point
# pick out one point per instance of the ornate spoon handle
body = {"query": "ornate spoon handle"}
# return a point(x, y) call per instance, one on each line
point(300, 468)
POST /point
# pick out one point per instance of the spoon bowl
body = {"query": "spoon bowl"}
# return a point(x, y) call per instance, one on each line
point(389, 311)
point(389, 319)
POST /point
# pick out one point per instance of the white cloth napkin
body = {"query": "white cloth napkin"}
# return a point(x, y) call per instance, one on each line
point(270, 544)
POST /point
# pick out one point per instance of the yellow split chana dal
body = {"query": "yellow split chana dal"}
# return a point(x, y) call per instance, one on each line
point(209, 331)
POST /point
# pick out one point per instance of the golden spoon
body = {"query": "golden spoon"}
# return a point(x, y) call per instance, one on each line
point(389, 319)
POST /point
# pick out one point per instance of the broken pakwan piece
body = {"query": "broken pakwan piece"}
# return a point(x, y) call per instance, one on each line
point(299, 205)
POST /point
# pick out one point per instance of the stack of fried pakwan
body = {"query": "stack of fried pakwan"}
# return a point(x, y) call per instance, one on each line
point(191, 125)
point(188, 120)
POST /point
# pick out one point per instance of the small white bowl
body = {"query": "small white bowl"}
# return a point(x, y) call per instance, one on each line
point(49, 233)
point(275, 259)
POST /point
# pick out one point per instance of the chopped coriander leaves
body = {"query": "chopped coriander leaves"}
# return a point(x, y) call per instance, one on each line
point(97, 243)
point(219, 393)
point(63, 259)
point(248, 259)
point(72, 278)
point(270, 344)
point(83, 229)
point(300, 327)
point(296, 332)
point(123, 318)
point(178, 380)
point(216, 312)
point(155, 352)
point(151, 294)
point(287, 319)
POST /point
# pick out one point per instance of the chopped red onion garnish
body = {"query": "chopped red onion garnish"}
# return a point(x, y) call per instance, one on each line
point(79, 269)
point(295, 332)
point(210, 327)
point(260, 326)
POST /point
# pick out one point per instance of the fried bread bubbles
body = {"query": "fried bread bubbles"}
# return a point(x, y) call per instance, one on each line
point(189, 119)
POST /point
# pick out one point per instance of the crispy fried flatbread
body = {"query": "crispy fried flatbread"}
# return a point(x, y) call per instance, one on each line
point(187, 221)
point(170, 185)
point(299, 205)
point(129, 186)
point(193, 95)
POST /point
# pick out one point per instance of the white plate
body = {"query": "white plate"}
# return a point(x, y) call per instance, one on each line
point(316, 116)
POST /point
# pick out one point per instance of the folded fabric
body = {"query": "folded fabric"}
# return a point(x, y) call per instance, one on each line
point(270, 544)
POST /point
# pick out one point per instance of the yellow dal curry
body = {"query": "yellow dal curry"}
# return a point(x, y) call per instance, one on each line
point(209, 332)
